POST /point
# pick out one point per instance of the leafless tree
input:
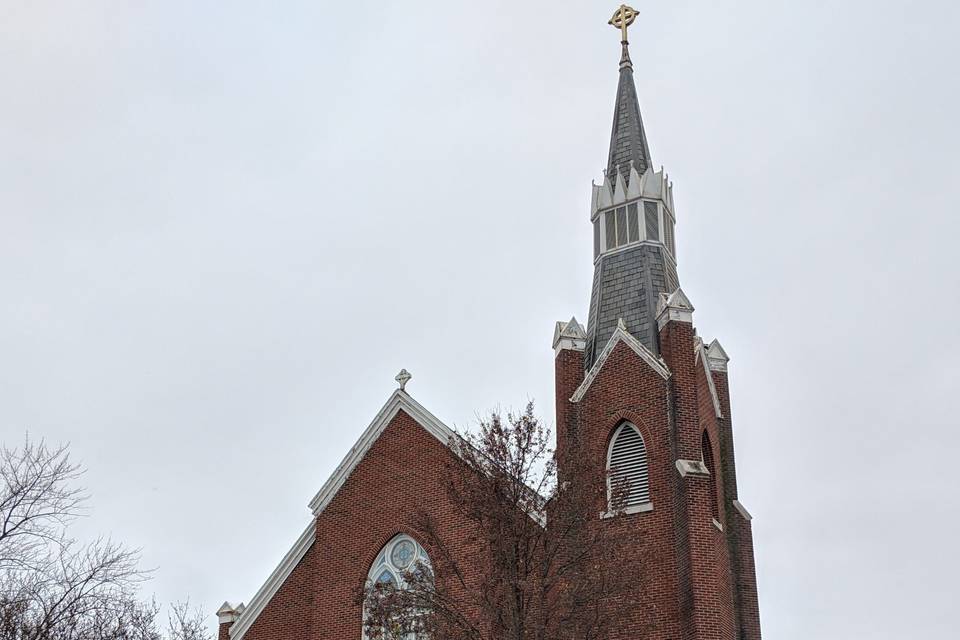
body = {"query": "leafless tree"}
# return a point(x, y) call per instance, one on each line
point(539, 563)
point(37, 501)
point(52, 587)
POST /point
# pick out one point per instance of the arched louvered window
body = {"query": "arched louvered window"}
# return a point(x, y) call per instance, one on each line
point(627, 467)
point(706, 452)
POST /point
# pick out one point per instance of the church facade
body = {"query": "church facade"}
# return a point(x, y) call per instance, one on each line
point(636, 387)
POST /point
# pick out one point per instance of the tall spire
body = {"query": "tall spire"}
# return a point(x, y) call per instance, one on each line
point(628, 141)
point(633, 226)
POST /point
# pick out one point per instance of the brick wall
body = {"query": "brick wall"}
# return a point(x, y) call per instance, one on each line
point(401, 473)
point(692, 579)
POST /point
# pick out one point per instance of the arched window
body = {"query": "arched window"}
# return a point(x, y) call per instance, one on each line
point(627, 467)
point(706, 452)
point(396, 562)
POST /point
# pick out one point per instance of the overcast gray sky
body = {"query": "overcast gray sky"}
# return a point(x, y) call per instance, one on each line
point(224, 227)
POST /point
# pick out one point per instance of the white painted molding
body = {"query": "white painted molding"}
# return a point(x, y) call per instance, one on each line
point(742, 510)
point(605, 198)
point(652, 185)
point(717, 357)
point(635, 190)
point(633, 245)
point(692, 468)
point(704, 358)
point(637, 508)
point(675, 307)
point(717, 524)
point(569, 335)
point(397, 401)
point(619, 191)
point(247, 617)
point(619, 335)
point(229, 612)
point(594, 199)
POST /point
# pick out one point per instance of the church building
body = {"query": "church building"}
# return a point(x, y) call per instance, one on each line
point(638, 386)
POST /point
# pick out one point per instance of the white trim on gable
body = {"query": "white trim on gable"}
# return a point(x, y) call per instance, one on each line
point(703, 357)
point(247, 617)
point(620, 335)
point(399, 400)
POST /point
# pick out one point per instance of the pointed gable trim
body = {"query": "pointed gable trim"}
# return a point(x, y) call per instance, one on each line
point(399, 400)
point(249, 615)
point(703, 357)
point(620, 335)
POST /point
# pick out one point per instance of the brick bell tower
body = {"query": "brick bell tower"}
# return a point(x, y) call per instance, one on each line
point(647, 399)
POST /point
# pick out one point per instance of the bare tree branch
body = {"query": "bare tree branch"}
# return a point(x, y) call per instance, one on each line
point(542, 564)
point(55, 588)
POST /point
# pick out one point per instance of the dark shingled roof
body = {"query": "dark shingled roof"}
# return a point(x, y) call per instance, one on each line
point(628, 141)
point(628, 282)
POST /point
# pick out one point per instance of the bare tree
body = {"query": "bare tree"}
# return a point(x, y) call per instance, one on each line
point(37, 501)
point(53, 587)
point(184, 623)
point(539, 565)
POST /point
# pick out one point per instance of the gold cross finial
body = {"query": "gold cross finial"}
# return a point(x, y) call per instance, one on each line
point(623, 18)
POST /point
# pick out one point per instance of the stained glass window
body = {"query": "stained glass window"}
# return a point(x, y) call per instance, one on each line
point(399, 559)
point(403, 553)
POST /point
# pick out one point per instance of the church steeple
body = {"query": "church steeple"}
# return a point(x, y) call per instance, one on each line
point(628, 140)
point(633, 221)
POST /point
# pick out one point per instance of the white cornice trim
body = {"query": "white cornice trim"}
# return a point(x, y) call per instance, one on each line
point(742, 510)
point(620, 335)
point(702, 352)
point(399, 400)
point(247, 617)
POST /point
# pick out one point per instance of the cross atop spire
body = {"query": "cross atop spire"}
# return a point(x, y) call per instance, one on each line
point(623, 18)
point(628, 140)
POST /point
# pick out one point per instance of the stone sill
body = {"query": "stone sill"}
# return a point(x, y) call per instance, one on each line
point(640, 508)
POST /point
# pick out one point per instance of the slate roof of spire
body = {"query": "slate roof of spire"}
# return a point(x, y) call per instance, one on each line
point(627, 283)
point(628, 140)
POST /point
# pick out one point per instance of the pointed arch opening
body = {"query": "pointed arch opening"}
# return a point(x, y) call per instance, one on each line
point(628, 469)
point(706, 453)
point(402, 565)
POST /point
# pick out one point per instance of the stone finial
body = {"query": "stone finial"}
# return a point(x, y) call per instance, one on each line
point(717, 358)
point(403, 378)
point(228, 612)
point(674, 307)
point(569, 335)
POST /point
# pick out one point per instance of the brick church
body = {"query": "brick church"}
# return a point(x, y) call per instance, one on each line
point(645, 394)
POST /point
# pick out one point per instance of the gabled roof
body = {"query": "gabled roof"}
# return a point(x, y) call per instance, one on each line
point(620, 335)
point(398, 400)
